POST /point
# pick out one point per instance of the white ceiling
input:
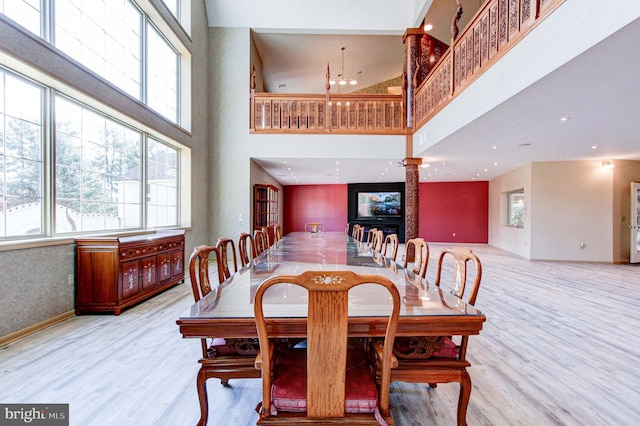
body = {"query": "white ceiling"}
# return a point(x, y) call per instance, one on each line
point(600, 88)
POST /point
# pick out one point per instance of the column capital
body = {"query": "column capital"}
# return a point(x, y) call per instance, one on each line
point(412, 32)
point(410, 161)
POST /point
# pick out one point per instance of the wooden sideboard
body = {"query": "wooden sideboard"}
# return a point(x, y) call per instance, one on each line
point(113, 273)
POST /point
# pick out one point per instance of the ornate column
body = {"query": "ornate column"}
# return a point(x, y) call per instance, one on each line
point(411, 215)
point(411, 40)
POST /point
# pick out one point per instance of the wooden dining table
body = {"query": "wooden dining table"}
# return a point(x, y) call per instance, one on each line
point(227, 312)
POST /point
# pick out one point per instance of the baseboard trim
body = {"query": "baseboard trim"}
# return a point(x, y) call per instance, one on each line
point(35, 327)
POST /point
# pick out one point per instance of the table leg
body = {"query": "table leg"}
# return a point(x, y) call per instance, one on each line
point(463, 399)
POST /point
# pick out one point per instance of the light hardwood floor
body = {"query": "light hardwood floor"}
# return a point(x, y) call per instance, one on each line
point(561, 346)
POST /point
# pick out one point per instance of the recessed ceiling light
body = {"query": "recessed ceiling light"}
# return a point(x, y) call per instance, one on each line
point(495, 164)
point(564, 119)
point(428, 27)
point(594, 147)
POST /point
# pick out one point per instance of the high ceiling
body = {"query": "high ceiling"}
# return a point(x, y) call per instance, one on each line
point(599, 89)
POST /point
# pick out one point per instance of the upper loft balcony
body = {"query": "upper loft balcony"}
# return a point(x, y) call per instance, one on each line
point(433, 74)
point(568, 59)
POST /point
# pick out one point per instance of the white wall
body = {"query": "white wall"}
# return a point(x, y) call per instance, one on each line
point(229, 159)
point(568, 204)
point(514, 240)
point(572, 204)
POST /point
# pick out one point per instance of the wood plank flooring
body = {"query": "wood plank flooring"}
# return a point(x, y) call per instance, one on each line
point(561, 346)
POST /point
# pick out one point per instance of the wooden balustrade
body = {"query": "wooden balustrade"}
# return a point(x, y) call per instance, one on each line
point(343, 114)
point(496, 27)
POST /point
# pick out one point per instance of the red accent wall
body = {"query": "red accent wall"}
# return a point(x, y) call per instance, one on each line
point(445, 208)
point(454, 207)
point(314, 203)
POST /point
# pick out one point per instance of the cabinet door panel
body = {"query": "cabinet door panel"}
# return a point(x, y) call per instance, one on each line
point(149, 271)
point(130, 278)
point(177, 263)
point(164, 266)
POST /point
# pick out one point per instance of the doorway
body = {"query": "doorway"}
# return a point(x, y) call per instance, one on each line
point(635, 222)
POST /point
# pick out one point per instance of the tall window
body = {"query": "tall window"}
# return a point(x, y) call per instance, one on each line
point(105, 36)
point(98, 171)
point(115, 39)
point(515, 213)
point(27, 13)
point(162, 75)
point(21, 157)
point(162, 184)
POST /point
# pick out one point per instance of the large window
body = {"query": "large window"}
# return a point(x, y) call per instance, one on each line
point(104, 36)
point(98, 171)
point(162, 75)
point(27, 13)
point(103, 174)
point(21, 157)
point(118, 41)
point(70, 163)
point(162, 184)
point(515, 212)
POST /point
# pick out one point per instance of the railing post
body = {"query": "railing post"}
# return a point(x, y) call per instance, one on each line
point(327, 100)
point(454, 35)
point(252, 99)
point(411, 39)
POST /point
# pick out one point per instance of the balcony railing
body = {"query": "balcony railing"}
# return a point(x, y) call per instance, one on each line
point(495, 28)
point(342, 114)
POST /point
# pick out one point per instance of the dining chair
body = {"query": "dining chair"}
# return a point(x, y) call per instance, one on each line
point(277, 233)
point(267, 238)
point(260, 241)
point(442, 359)
point(246, 249)
point(223, 245)
point(416, 258)
point(354, 230)
point(329, 380)
point(314, 227)
point(370, 234)
point(390, 246)
point(221, 358)
point(376, 240)
point(346, 228)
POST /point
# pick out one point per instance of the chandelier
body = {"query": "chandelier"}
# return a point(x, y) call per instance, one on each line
point(341, 79)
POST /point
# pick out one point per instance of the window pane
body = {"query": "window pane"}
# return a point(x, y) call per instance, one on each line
point(105, 36)
point(21, 143)
point(25, 12)
point(162, 75)
point(98, 171)
point(516, 209)
point(162, 178)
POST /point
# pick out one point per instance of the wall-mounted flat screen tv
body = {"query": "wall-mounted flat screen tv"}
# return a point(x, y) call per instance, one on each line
point(379, 204)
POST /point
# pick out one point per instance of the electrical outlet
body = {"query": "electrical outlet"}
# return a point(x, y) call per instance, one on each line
point(71, 279)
